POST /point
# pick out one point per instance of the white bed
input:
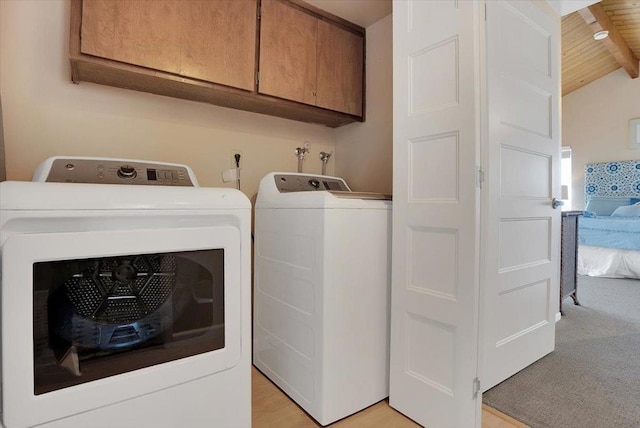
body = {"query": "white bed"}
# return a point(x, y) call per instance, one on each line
point(609, 238)
point(609, 230)
point(608, 262)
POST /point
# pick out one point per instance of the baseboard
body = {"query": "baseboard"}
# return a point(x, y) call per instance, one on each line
point(558, 316)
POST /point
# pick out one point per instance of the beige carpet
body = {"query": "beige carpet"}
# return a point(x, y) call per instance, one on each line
point(592, 379)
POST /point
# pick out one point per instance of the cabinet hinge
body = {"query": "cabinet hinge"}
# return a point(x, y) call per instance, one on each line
point(476, 387)
point(480, 177)
point(485, 11)
point(259, 11)
point(257, 77)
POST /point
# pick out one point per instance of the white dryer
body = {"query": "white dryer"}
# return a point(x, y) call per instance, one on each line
point(321, 292)
point(124, 306)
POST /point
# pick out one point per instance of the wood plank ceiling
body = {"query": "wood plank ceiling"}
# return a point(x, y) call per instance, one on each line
point(585, 59)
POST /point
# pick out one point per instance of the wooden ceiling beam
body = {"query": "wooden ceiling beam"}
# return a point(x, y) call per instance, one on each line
point(597, 19)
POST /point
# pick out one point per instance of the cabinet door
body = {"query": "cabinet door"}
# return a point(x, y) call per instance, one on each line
point(287, 52)
point(340, 70)
point(207, 40)
point(145, 33)
point(219, 41)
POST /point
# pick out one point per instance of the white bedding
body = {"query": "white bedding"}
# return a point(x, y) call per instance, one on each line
point(608, 262)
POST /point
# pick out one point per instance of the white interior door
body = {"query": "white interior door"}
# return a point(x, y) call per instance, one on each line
point(521, 230)
point(435, 279)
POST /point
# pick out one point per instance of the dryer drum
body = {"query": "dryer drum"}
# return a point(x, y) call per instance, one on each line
point(117, 302)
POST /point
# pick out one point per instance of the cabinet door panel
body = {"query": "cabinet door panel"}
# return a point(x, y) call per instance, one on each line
point(98, 22)
point(145, 33)
point(340, 60)
point(287, 52)
point(219, 42)
point(208, 40)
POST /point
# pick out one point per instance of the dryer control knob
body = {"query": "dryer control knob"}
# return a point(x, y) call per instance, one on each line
point(127, 171)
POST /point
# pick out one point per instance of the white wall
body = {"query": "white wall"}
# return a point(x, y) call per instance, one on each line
point(365, 150)
point(45, 114)
point(595, 123)
point(565, 7)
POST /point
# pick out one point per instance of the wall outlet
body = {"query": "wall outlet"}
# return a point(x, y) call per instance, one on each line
point(233, 157)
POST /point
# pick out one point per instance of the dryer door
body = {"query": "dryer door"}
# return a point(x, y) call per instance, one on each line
point(92, 318)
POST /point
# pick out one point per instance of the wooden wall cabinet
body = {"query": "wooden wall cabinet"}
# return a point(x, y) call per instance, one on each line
point(304, 58)
point(207, 51)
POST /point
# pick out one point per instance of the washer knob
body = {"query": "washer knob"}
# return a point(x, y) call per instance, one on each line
point(314, 183)
point(127, 171)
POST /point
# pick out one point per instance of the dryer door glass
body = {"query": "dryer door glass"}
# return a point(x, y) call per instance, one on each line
point(99, 317)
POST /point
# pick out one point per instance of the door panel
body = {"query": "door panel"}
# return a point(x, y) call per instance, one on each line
point(431, 89)
point(434, 252)
point(434, 160)
point(516, 163)
point(435, 282)
point(526, 107)
point(521, 230)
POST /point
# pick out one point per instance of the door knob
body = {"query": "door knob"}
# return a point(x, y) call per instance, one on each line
point(555, 203)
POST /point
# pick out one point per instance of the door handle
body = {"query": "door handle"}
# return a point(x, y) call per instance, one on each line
point(555, 203)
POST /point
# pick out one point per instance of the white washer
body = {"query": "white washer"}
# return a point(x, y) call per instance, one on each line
point(321, 292)
point(122, 305)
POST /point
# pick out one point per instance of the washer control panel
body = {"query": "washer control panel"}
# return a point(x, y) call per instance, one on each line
point(301, 183)
point(117, 171)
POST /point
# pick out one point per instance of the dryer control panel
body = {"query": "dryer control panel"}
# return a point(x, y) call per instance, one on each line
point(300, 183)
point(114, 171)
